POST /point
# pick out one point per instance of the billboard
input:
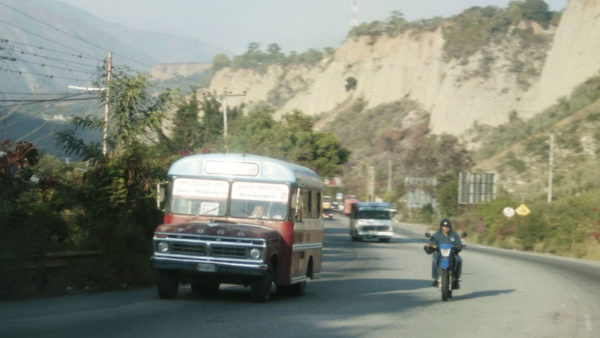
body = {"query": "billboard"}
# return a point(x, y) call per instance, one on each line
point(475, 188)
point(419, 192)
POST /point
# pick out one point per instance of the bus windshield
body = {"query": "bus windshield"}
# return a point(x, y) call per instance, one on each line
point(199, 197)
point(248, 199)
point(259, 200)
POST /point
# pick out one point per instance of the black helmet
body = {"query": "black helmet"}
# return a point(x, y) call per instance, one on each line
point(445, 222)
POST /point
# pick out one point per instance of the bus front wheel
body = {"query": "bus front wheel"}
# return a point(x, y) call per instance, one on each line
point(167, 284)
point(261, 288)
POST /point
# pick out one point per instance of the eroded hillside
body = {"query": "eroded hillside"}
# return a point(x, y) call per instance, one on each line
point(521, 74)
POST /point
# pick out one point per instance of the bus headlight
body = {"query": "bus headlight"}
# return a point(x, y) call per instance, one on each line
point(162, 247)
point(255, 253)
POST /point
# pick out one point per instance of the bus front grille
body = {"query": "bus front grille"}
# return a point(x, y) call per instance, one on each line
point(229, 252)
point(189, 249)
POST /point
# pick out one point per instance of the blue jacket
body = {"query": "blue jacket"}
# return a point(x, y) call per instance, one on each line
point(438, 238)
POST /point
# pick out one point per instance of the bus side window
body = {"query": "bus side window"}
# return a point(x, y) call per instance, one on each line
point(306, 204)
point(297, 205)
point(319, 204)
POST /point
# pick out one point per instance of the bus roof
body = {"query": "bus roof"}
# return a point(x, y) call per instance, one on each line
point(245, 166)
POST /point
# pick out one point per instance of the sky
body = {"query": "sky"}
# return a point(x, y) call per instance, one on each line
point(295, 25)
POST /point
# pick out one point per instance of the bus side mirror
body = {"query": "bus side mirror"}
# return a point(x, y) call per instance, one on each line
point(161, 193)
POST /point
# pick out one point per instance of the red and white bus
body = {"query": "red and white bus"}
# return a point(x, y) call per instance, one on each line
point(238, 219)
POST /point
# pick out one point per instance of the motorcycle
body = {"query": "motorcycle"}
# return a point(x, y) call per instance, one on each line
point(446, 265)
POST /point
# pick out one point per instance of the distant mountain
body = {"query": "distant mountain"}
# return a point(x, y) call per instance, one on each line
point(161, 47)
point(47, 45)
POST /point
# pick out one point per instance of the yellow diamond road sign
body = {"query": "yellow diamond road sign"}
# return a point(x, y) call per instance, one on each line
point(522, 210)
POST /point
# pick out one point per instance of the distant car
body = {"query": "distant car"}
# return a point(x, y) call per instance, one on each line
point(327, 214)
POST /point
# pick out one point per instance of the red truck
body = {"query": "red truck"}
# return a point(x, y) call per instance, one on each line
point(348, 201)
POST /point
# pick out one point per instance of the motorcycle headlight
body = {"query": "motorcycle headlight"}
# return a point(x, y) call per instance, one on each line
point(255, 253)
point(162, 247)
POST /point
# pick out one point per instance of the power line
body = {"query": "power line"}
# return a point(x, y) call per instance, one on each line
point(79, 38)
point(50, 76)
point(83, 109)
point(69, 34)
point(53, 27)
point(51, 100)
point(23, 102)
point(75, 37)
point(79, 56)
point(39, 36)
point(25, 52)
point(33, 94)
point(44, 65)
point(33, 131)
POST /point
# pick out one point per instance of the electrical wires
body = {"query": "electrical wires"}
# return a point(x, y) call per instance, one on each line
point(39, 58)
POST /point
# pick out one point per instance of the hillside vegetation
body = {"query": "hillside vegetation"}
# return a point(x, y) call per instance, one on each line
point(519, 153)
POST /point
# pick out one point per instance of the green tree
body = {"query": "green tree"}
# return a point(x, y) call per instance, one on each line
point(329, 154)
point(220, 61)
point(115, 194)
point(536, 10)
point(134, 114)
point(448, 198)
point(350, 83)
point(212, 120)
point(274, 49)
point(212, 112)
point(311, 56)
point(292, 138)
point(395, 23)
point(187, 128)
point(257, 133)
point(32, 203)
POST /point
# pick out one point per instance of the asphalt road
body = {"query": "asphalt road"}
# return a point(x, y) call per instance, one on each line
point(368, 289)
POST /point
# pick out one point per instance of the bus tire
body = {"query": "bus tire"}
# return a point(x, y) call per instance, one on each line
point(261, 287)
point(167, 284)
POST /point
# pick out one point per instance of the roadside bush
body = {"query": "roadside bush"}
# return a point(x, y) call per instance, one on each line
point(568, 227)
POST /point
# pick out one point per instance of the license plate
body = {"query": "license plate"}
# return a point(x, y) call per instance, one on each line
point(205, 267)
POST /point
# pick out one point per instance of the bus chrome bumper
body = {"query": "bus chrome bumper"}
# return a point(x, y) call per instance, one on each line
point(206, 265)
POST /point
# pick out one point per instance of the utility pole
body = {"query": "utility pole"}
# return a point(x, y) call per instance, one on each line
point(106, 104)
point(550, 167)
point(224, 97)
point(389, 182)
point(371, 184)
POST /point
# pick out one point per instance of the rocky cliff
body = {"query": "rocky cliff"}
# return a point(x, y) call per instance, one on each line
point(505, 79)
point(572, 59)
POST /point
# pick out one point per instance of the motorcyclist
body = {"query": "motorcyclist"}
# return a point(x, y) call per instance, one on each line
point(444, 235)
